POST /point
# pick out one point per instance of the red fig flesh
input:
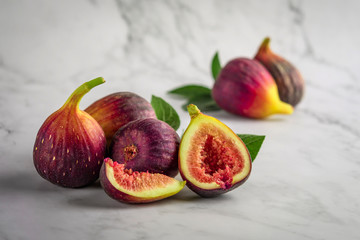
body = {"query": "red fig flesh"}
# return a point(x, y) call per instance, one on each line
point(70, 145)
point(212, 158)
point(136, 187)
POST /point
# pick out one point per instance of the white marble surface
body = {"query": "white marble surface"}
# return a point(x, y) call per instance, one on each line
point(305, 181)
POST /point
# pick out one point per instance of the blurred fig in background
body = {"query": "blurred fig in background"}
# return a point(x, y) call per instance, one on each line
point(244, 87)
point(288, 79)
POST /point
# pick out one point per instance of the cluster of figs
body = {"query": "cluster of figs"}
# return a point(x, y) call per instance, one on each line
point(119, 140)
point(257, 88)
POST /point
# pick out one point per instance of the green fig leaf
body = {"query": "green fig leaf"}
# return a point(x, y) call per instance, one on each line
point(191, 90)
point(253, 143)
point(198, 95)
point(204, 102)
point(215, 66)
point(165, 112)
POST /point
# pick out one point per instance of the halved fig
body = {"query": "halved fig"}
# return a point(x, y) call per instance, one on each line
point(130, 186)
point(212, 158)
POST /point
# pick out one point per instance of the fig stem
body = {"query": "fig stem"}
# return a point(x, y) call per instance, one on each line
point(193, 110)
point(285, 108)
point(265, 45)
point(76, 96)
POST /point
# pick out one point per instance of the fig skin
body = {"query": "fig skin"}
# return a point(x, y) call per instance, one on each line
point(211, 193)
point(70, 145)
point(124, 197)
point(198, 121)
point(244, 87)
point(118, 109)
point(288, 79)
point(147, 145)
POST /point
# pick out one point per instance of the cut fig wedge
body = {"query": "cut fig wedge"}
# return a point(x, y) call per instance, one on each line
point(130, 186)
point(212, 158)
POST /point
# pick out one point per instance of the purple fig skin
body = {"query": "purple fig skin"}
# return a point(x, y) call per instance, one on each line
point(117, 109)
point(147, 145)
point(288, 79)
point(70, 146)
point(244, 87)
point(210, 193)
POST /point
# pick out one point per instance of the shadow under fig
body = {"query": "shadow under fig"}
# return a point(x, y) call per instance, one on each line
point(25, 182)
point(31, 182)
point(91, 196)
point(186, 195)
point(97, 198)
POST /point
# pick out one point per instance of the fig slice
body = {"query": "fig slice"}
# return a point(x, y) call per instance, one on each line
point(130, 186)
point(212, 158)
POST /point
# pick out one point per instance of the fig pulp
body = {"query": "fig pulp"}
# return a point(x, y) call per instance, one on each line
point(244, 87)
point(70, 145)
point(136, 187)
point(118, 109)
point(212, 158)
point(288, 79)
point(147, 145)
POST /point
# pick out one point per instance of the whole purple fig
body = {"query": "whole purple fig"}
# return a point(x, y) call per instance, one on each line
point(70, 145)
point(118, 109)
point(147, 145)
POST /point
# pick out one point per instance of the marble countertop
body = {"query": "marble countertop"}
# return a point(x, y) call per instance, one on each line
point(305, 180)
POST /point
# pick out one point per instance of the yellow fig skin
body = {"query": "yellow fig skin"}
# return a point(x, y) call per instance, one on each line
point(244, 87)
point(212, 159)
point(289, 81)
